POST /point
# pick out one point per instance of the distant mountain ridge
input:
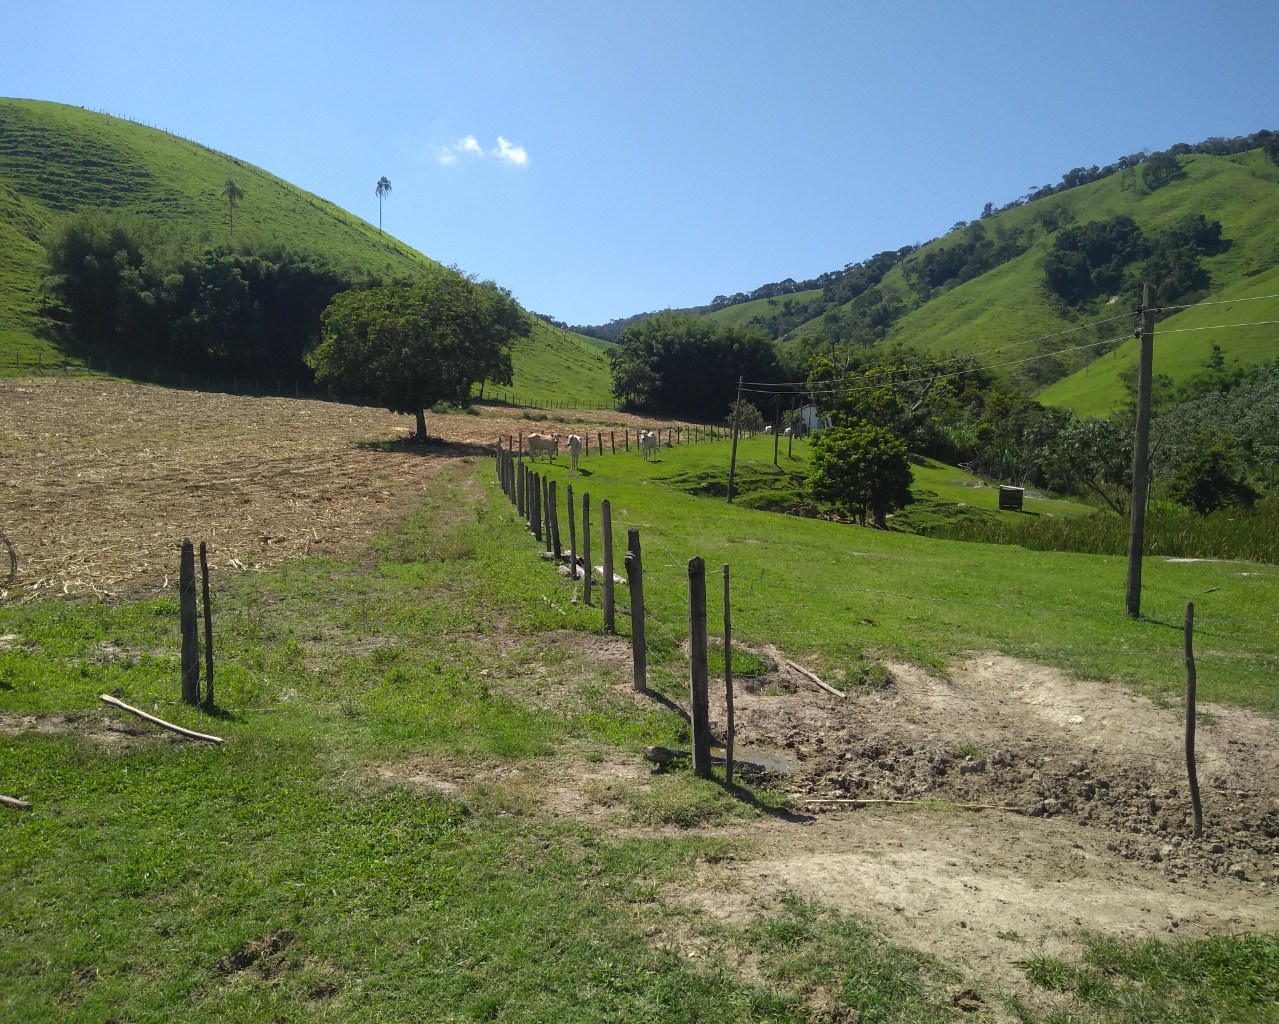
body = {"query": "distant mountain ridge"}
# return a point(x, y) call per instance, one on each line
point(981, 289)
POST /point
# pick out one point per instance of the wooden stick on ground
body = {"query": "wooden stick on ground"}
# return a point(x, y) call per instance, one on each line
point(933, 803)
point(804, 672)
point(13, 801)
point(158, 721)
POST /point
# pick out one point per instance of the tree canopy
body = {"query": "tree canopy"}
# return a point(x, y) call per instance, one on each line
point(688, 366)
point(410, 347)
point(860, 469)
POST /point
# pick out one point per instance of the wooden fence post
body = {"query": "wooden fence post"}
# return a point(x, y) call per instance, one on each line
point(208, 627)
point(1190, 719)
point(519, 488)
point(548, 513)
point(599, 441)
point(612, 442)
point(555, 523)
point(728, 682)
point(606, 528)
point(626, 438)
point(572, 536)
point(190, 630)
point(586, 546)
point(635, 576)
point(699, 672)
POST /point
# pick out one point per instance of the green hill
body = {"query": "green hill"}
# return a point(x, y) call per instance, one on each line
point(57, 161)
point(1010, 305)
point(1002, 312)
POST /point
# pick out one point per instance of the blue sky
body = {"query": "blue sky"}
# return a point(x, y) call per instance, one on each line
point(602, 159)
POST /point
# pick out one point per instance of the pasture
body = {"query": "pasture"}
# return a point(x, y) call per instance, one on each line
point(431, 803)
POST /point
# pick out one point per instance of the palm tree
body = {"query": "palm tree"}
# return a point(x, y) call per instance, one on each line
point(233, 192)
point(382, 191)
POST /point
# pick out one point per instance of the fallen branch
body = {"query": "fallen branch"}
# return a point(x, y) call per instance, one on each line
point(807, 674)
point(13, 801)
point(158, 721)
point(928, 803)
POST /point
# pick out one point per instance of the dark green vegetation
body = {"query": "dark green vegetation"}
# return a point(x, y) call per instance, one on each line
point(413, 347)
point(684, 366)
point(1226, 978)
point(168, 287)
point(858, 470)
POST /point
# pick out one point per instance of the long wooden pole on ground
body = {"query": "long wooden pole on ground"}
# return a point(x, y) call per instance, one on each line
point(1137, 521)
point(1190, 719)
point(114, 702)
point(699, 673)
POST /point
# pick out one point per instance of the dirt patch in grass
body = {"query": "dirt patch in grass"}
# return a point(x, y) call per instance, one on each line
point(90, 725)
point(102, 479)
point(1098, 838)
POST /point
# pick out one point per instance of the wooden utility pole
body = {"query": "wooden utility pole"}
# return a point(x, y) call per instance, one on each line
point(777, 426)
point(208, 627)
point(737, 416)
point(1137, 522)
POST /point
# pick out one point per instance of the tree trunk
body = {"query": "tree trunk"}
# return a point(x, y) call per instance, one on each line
point(421, 425)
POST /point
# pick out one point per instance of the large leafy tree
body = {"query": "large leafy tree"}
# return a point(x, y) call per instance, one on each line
point(410, 347)
point(860, 469)
point(688, 366)
point(233, 194)
point(382, 191)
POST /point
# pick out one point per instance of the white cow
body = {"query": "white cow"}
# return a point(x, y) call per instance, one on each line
point(768, 429)
point(574, 448)
point(787, 432)
point(648, 444)
point(548, 443)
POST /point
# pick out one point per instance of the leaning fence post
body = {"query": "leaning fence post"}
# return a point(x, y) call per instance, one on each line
point(699, 672)
point(190, 631)
point(1190, 719)
point(208, 627)
point(586, 546)
point(635, 576)
point(728, 683)
point(606, 528)
point(572, 536)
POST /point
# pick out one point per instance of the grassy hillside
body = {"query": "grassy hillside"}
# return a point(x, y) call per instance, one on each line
point(741, 314)
point(57, 160)
point(1010, 304)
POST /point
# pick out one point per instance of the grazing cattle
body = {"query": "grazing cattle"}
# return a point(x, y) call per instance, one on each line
point(768, 430)
point(787, 432)
point(648, 444)
point(574, 448)
point(548, 443)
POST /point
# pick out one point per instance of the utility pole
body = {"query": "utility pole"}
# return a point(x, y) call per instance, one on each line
point(1137, 523)
point(737, 416)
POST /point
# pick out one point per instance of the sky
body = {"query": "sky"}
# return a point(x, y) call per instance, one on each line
point(602, 159)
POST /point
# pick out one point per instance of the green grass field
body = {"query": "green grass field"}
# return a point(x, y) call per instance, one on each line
point(299, 873)
point(842, 591)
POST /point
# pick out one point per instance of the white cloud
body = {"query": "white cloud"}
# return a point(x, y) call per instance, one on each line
point(511, 153)
point(469, 146)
